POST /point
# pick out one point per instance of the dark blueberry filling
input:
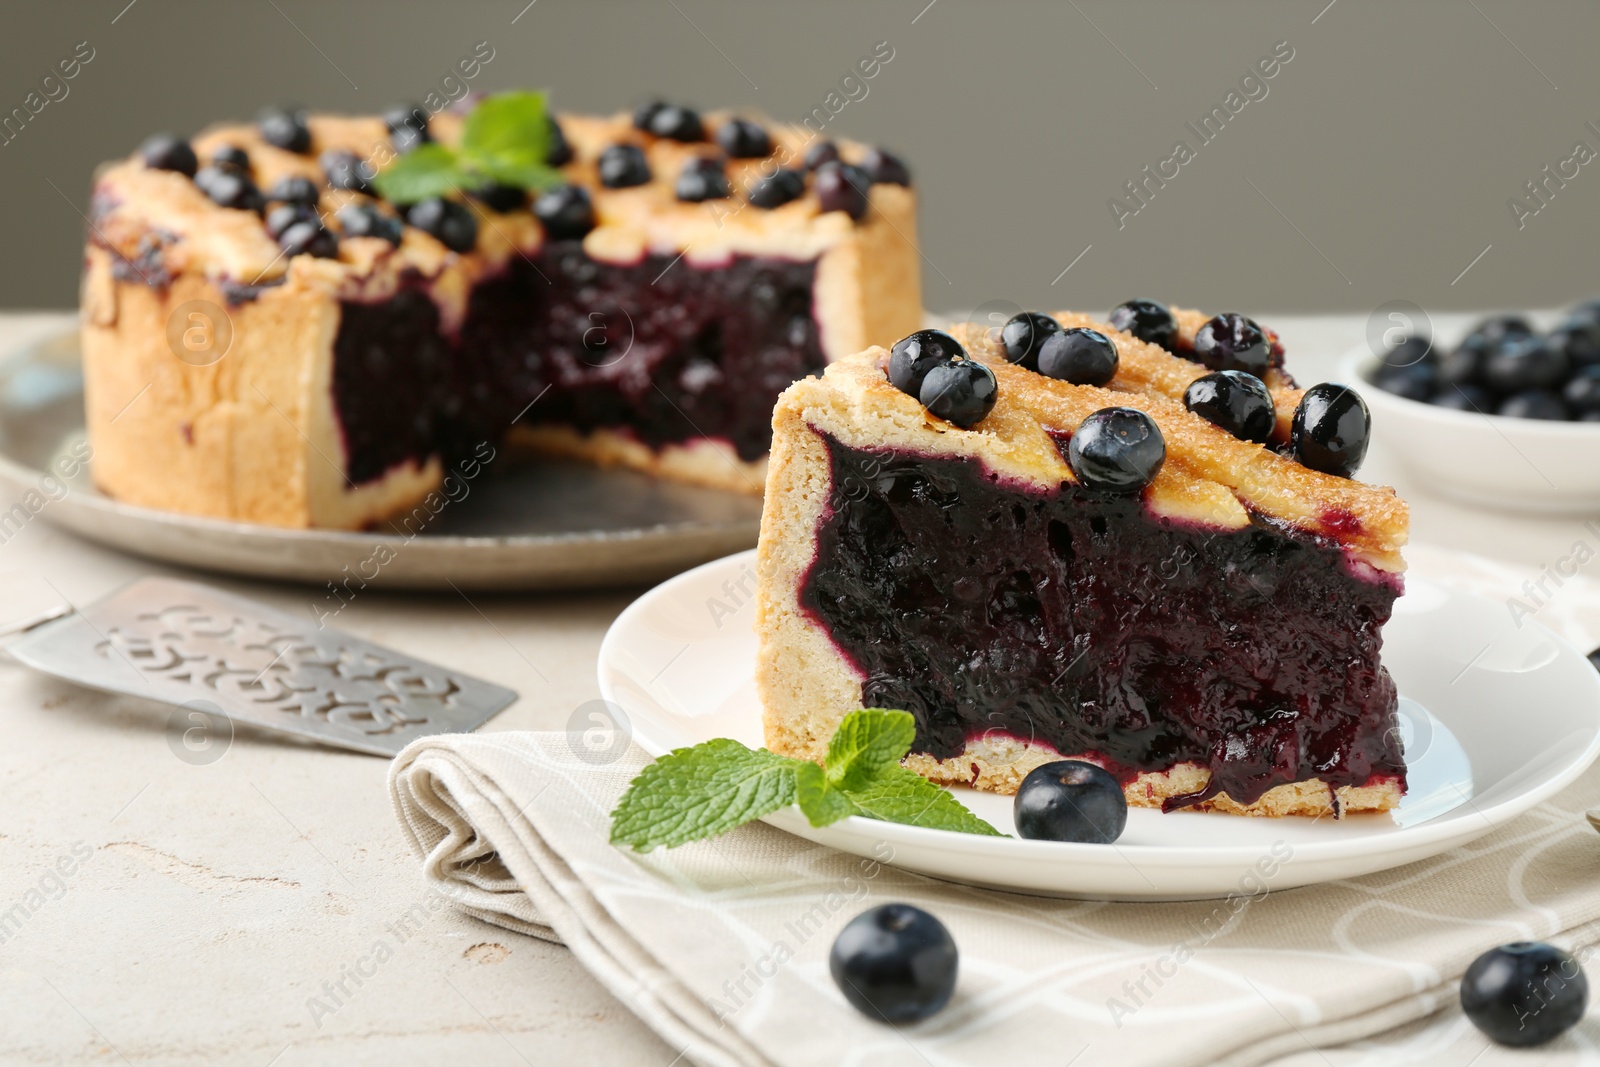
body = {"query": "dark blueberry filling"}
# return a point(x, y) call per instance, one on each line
point(665, 355)
point(1076, 619)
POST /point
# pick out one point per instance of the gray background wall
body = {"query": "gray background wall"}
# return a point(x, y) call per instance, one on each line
point(1377, 167)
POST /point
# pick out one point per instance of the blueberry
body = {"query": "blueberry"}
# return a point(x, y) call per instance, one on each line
point(622, 166)
point(501, 198)
point(1533, 404)
point(346, 170)
point(743, 139)
point(1407, 353)
point(645, 113)
point(895, 963)
point(1464, 397)
point(702, 179)
point(1024, 334)
point(558, 153)
point(886, 168)
point(1147, 320)
point(1578, 340)
point(961, 391)
point(777, 189)
point(1237, 402)
point(283, 216)
point(841, 187)
point(365, 220)
point(231, 157)
point(1080, 355)
point(1118, 450)
point(452, 223)
point(1070, 800)
point(405, 139)
point(229, 188)
point(284, 128)
point(308, 237)
point(163, 151)
point(295, 190)
point(1416, 381)
point(1233, 342)
point(677, 124)
point(412, 117)
point(565, 212)
point(1523, 361)
point(820, 153)
point(1331, 429)
point(1464, 365)
point(1502, 326)
point(1582, 391)
point(913, 357)
point(1524, 993)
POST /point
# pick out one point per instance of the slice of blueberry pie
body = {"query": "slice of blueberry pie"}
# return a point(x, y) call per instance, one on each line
point(1066, 539)
point(281, 329)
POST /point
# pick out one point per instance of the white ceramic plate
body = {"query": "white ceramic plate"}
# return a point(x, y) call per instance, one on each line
point(1496, 718)
point(1516, 465)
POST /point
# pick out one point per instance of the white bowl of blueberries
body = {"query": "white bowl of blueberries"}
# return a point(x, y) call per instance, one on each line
point(1509, 417)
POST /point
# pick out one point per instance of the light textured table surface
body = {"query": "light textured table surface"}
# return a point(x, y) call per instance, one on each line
point(262, 909)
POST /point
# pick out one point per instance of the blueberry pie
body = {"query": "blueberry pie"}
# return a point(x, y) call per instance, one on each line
point(1180, 584)
point(268, 339)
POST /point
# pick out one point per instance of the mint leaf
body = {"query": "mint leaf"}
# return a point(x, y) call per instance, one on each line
point(866, 741)
point(818, 798)
point(426, 171)
point(898, 794)
point(513, 128)
point(524, 170)
point(698, 792)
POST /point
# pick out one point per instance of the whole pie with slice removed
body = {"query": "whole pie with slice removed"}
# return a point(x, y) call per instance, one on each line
point(1210, 636)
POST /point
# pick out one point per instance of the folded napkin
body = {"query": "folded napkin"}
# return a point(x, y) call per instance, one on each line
point(722, 946)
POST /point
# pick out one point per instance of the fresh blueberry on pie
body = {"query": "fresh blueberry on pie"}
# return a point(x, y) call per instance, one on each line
point(1024, 334)
point(284, 128)
point(1175, 582)
point(393, 340)
point(1148, 320)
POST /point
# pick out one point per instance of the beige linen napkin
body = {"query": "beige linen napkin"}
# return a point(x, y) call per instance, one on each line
point(721, 946)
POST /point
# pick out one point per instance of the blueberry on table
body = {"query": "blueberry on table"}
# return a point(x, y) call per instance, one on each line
point(163, 151)
point(1117, 450)
point(623, 166)
point(1148, 320)
point(1233, 342)
point(1464, 397)
point(914, 356)
point(962, 391)
point(453, 224)
point(841, 187)
point(1534, 404)
point(565, 212)
point(1080, 355)
point(1525, 993)
point(1237, 402)
point(743, 139)
point(1331, 429)
point(1024, 334)
point(1070, 800)
point(895, 963)
point(1416, 381)
point(1523, 361)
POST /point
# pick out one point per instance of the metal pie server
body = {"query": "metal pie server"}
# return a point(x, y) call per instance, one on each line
point(188, 644)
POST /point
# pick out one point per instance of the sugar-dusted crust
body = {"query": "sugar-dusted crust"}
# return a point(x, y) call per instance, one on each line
point(999, 764)
point(1210, 477)
point(206, 440)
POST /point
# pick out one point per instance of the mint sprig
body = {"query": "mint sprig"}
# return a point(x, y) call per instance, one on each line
point(504, 139)
point(699, 792)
